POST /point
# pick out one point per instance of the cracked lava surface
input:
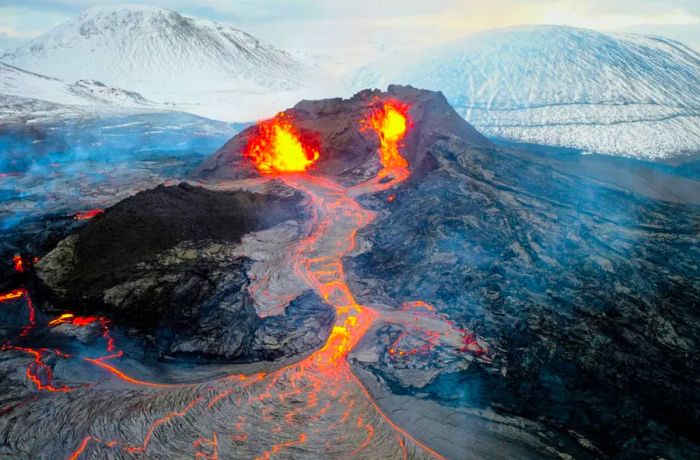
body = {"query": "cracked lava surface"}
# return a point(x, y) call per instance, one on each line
point(315, 408)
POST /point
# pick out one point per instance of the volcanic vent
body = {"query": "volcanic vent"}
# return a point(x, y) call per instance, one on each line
point(177, 262)
point(342, 131)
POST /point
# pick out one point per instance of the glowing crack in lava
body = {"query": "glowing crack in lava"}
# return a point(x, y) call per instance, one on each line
point(276, 146)
point(315, 408)
point(14, 294)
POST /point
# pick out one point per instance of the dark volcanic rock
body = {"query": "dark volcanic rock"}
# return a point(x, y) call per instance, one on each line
point(165, 260)
point(29, 240)
point(133, 233)
point(587, 294)
point(304, 326)
point(347, 152)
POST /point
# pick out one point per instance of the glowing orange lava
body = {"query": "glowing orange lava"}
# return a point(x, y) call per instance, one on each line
point(100, 362)
point(390, 122)
point(326, 373)
point(16, 294)
point(87, 215)
point(82, 321)
point(75, 320)
point(276, 146)
point(37, 372)
point(18, 263)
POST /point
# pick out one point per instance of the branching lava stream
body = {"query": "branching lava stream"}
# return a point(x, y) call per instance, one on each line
point(315, 408)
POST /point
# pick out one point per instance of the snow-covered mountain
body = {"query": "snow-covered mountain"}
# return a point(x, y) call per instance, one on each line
point(566, 87)
point(184, 63)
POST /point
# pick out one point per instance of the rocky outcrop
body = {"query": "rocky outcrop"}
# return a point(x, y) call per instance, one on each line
point(168, 261)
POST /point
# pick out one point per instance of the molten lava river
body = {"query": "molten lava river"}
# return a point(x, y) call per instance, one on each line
point(314, 408)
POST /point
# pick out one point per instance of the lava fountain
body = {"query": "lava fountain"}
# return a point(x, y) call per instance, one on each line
point(391, 122)
point(276, 146)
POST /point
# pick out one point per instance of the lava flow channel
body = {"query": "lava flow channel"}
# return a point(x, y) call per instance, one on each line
point(315, 408)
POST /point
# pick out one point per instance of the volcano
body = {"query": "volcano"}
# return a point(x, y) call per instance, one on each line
point(349, 153)
point(414, 292)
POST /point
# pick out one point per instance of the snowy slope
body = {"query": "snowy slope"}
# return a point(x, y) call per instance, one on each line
point(188, 64)
point(17, 82)
point(566, 87)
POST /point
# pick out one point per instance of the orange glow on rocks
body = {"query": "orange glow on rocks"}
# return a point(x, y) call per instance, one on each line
point(37, 372)
point(79, 321)
point(87, 215)
point(100, 362)
point(18, 263)
point(16, 294)
point(65, 318)
point(82, 321)
point(276, 146)
point(390, 122)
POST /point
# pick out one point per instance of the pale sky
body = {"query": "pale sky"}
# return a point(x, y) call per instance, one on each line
point(365, 26)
